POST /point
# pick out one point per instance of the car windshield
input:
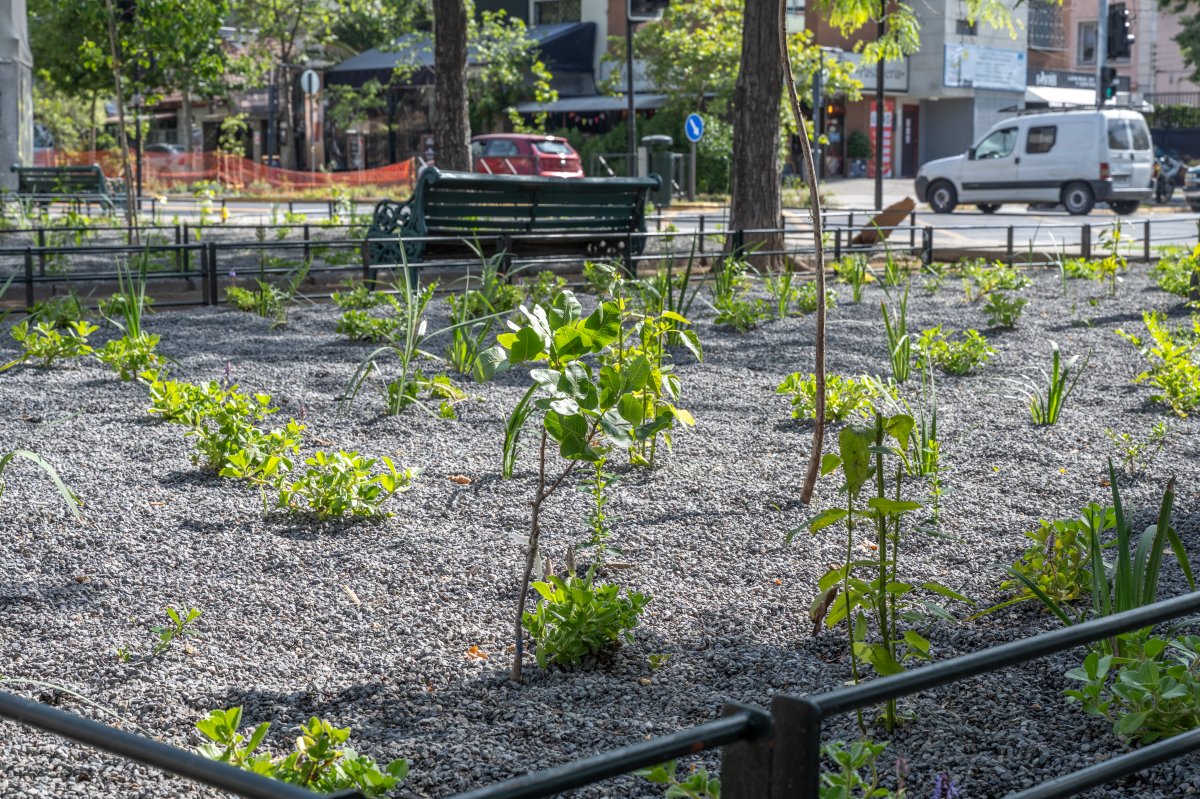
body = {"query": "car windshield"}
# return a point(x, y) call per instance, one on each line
point(553, 147)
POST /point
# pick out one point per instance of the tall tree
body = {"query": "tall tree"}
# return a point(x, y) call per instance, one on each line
point(451, 123)
point(754, 190)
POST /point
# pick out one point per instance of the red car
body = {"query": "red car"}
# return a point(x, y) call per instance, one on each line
point(525, 154)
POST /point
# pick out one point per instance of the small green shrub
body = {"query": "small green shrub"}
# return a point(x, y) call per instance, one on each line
point(342, 484)
point(59, 312)
point(174, 400)
point(805, 298)
point(359, 325)
point(578, 617)
point(954, 356)
point(843, 395)
point(1174, 362)
point(742, 315)
point(224, 423)
point(1177, 270)
point(1152, 691)
point(980, 280)
point(1058, 562)
point(178, 626)
point(1133, 455)
point(1002, 310)
point(129, 357)
point(541, 290)
point(322, 761)
point(358, 298)
point(44, 344)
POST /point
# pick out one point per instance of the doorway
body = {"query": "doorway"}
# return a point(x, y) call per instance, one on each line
point(909, 152)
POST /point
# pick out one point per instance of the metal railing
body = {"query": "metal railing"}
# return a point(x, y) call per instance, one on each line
point(775, 755)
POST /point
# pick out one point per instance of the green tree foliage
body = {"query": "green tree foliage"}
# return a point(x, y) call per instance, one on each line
point(692, 55)
point(509, 71)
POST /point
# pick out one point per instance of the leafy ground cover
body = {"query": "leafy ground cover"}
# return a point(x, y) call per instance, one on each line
point(401, 628)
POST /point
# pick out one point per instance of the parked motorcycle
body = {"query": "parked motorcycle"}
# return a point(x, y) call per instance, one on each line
point(1169, 173)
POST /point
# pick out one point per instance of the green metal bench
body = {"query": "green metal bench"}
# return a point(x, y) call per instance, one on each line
point(88, 184)
point(603, 216)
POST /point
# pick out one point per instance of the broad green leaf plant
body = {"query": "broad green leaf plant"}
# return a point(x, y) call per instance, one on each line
point(584, 411)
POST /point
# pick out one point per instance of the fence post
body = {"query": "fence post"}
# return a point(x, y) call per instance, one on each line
point(1085, 241)
point(927, 245)
point(796, 767)
point(41, 243)
point(1146, 241)
point(211, 247)
point(912, 230)
point(307, 247)
point(178, 252)
point(29, 279)
point(505, 252)
point(630, 267)
point(701, 247)
point(746, 765)
point(737, 242)
point(1010, 245)
point(187, 253)
point(365, 251)
point(837, 244)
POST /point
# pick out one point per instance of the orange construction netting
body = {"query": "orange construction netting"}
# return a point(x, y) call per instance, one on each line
point(180, 170)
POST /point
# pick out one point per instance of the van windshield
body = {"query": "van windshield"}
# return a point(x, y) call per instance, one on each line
point(997, 145)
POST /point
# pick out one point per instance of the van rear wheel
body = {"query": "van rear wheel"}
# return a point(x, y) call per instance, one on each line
point(942, 197)
point(988, 208)
point(1078, 199)
point(1124, 207)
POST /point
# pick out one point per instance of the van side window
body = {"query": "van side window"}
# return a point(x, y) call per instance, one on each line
point(1141, 136)
point(1118, 135)
point(1041, 139)
point(999, 144)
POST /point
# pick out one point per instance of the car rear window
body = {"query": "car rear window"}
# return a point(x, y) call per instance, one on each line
point(553, 147)
point(1141, 136)
point(1041, 139)
point(1118, 135)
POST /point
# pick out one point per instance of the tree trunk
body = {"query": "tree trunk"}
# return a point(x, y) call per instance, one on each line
point(755, 190)
point(187, 128)
point(451, 128)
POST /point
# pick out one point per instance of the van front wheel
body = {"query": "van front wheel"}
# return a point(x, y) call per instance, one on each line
point(1124, 207)
point(1077, 198)
point(942, 197)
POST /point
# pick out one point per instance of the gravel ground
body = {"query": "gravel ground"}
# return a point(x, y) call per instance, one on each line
point(370, 624)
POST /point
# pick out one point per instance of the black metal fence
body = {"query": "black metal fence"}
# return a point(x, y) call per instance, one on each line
point(190, 264)
point(764, 755)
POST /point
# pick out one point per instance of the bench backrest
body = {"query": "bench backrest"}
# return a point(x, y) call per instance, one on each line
point(61, 180)
point(463, 203)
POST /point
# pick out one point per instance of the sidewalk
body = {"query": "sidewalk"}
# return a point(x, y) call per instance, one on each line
point(860, 192)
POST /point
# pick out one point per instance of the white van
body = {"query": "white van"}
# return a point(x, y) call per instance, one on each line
point(1076, 158)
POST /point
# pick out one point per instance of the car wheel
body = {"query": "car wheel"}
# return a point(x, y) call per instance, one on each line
point(942, 197)
point(1077, 198)
point(1125, 207)
point(988, 208)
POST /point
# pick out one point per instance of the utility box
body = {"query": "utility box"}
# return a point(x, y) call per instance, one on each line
point(662, 163)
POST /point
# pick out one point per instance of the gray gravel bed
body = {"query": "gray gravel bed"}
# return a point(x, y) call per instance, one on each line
point(283, 634)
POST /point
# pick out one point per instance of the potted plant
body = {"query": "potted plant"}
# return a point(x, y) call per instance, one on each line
point(858, 150)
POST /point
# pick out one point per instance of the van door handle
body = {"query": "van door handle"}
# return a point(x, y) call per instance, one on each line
point(1017, 160)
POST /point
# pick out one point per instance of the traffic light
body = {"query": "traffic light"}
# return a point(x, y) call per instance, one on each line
point(1108, 82)
point(645, 10)
point(1120, 32)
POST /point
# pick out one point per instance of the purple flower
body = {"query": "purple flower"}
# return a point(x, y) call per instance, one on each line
point(944, 787)
point(232, 273)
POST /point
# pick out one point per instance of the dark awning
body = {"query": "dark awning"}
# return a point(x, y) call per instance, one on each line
point(565, 47)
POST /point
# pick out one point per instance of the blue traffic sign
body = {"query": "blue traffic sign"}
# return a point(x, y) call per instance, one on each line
point(693, 128)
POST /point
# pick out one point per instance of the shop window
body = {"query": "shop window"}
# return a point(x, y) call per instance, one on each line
point(1085, 43)
point(549, 12)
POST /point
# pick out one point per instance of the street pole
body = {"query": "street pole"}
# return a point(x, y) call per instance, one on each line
point(879, 116)
point(633, 165)
point(1101, 50)
point(272, 130)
